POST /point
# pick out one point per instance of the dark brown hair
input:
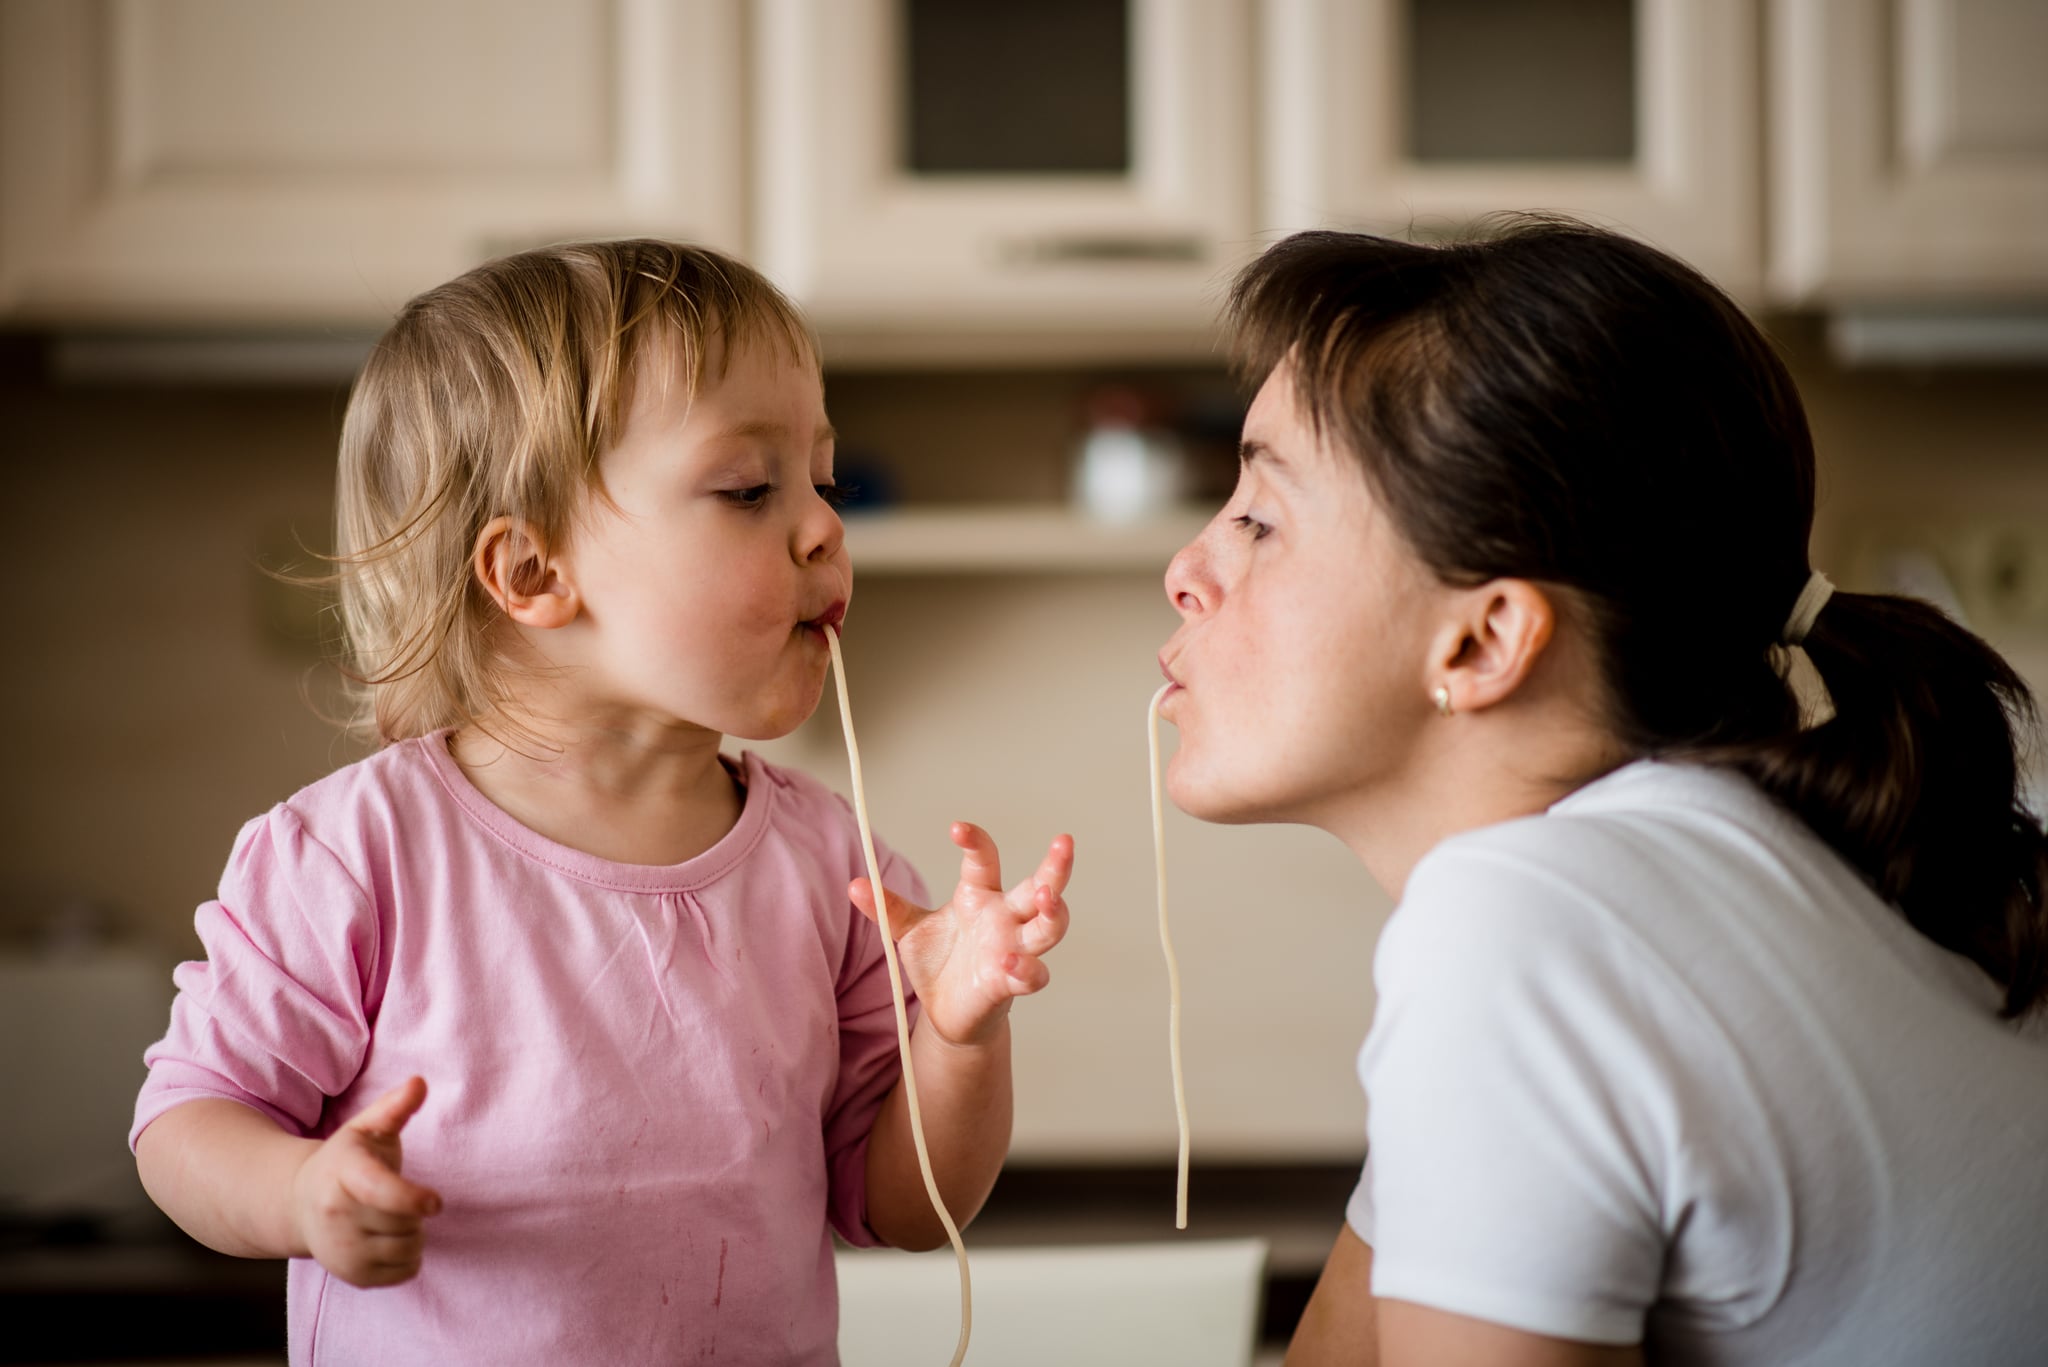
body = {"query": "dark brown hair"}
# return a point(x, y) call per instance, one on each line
point(1556, 403)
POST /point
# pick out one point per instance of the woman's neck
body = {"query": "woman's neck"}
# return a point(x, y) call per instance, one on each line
point(1472, 770)
point(1390, 836)
point(631, 790)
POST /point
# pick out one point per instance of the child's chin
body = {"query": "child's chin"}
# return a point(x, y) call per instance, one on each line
point(774, 726)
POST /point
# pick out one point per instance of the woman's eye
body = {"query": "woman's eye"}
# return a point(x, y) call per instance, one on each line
point(838, 495)
point(1250, 524)
point(753, 496)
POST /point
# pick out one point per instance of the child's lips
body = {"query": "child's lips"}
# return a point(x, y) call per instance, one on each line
point(832, 617)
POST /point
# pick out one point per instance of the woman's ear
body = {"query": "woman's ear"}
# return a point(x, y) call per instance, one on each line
point(511, 561)
point(1493, 645)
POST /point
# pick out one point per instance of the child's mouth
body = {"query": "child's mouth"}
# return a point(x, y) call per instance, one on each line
point(831, 617)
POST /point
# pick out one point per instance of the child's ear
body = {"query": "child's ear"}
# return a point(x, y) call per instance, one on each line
point(1493, 645)
point(512, 563)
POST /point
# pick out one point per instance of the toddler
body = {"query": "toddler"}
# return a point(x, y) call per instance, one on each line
point(609, 983)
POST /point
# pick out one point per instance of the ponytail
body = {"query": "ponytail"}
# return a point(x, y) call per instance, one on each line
point(1915, 780)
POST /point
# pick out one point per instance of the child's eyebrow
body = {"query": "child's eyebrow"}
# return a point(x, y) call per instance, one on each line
point(763, 427)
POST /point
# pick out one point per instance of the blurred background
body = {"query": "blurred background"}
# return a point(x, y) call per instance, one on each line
point(1012, 223)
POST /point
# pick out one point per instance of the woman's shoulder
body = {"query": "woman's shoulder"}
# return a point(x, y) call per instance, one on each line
point(1653, 861)
point(1642, 835)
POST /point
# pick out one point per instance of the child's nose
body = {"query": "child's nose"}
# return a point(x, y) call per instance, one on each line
point(820, 534)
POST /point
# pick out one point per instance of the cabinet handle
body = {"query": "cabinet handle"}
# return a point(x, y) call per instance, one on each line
point(1103, 249)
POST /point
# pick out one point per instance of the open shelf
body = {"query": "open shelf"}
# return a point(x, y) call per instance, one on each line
point(1013, 538)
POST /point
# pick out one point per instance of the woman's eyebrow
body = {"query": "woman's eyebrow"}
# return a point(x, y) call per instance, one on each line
point(1252, 449)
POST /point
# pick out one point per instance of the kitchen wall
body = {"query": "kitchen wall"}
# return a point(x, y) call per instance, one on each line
point(164, 689)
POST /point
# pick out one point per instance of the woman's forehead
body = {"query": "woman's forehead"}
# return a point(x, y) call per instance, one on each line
point(1281, 439)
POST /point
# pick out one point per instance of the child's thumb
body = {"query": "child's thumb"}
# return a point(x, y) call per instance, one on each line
point(388, 1113)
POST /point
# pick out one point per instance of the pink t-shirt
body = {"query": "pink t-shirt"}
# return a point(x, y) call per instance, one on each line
point(650, 1088)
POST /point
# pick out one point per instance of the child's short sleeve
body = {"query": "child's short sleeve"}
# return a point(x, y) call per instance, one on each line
point(1534, 1080)
point(869, 1064)
point(274, 1015)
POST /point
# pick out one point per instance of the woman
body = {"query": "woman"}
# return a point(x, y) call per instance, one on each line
point(1703, 1013)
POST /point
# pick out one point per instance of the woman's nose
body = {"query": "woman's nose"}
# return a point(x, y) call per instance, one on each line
point(1190, 587)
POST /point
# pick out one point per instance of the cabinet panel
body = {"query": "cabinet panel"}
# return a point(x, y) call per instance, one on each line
point(1422, 115)
point(231, 161)
point(1910, 152)
point(865, 239)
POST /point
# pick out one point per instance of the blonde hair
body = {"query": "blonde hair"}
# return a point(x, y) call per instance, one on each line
point(494, 395)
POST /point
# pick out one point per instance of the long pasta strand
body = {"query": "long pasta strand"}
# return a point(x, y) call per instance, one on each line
point(867, 845)
point(1180, 1091)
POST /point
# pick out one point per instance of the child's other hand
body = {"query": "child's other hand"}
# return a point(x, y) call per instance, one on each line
point(969, 958)
point(351, 1209)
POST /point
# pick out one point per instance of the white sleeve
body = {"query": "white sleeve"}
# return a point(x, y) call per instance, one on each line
point(1523, 1127)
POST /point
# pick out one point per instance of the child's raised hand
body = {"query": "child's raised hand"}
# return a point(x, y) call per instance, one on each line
point(969, 958)
point(351, 1209)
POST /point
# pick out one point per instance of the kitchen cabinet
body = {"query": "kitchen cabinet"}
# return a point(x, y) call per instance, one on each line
point(953, 184)
point(236, 162)
point(1422, 115)
point(1909, 150)
point(1061, 167)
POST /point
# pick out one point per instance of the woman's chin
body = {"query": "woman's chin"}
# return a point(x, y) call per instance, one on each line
point(1213, 798)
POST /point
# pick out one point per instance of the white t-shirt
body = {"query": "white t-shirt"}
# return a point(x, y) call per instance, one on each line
point(1658, 1065)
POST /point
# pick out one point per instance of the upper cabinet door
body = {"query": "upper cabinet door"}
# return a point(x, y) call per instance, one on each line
point(1421, 115)
point(1910, 152)
point(242, 161)
point(1081, 165)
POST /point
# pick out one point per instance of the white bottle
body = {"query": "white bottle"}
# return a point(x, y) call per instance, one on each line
point(1127, 468)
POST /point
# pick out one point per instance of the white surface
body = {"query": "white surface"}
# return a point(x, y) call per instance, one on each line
point(1192, 1303)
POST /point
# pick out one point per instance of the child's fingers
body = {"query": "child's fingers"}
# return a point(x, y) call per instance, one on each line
point(388, 1259)
point(904, 914)
point(387, 1115)
point(1057, 866)
point(1026, 974)
point(386, 1223)
point(376, 1186)
point(1048, 926)
point(980, 865)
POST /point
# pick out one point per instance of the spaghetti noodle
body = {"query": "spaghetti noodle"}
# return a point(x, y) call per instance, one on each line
point(867, 845)
point(1180, 1091)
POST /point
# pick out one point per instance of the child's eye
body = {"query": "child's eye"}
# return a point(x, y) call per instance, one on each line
point(1251, 524)
point(838, 495)
point(753, 496)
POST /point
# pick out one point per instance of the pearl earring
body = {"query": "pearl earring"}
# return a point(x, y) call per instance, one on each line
point(1442, 698)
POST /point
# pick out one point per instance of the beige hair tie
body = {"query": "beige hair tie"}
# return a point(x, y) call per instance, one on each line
point(1795, 666)
point(1806, 608)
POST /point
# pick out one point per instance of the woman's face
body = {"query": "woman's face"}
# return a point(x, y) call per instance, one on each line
point(1300, 666)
